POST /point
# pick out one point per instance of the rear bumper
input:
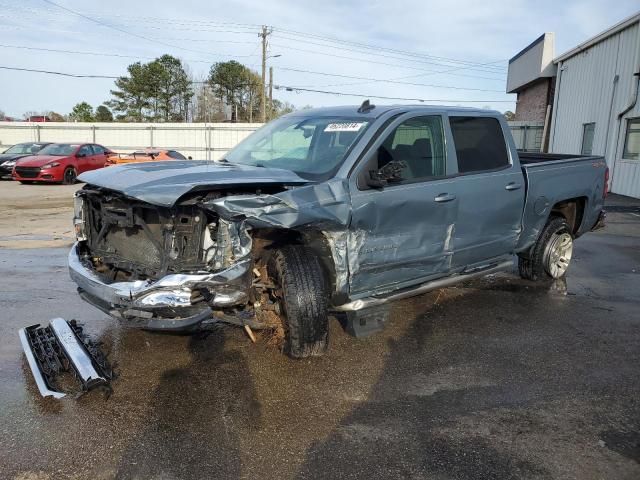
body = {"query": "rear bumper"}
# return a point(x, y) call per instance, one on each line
point(164, 304)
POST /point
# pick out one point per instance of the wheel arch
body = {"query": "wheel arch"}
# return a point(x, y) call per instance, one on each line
point(267, 240)
point(572, 210)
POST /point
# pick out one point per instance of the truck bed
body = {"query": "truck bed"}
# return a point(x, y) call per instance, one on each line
point(552, 178)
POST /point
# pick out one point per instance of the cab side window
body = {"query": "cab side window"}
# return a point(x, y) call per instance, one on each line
point(418, 143)
point(480, 144)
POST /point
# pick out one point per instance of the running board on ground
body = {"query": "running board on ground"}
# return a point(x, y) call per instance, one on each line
point(62, 347)
point(423, 288)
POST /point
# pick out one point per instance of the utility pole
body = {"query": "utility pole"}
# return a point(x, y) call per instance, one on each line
point(270, 92)
point(263, 103)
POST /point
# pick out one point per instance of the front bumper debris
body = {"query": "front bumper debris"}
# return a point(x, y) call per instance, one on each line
point(150, 302)
point(62, 348)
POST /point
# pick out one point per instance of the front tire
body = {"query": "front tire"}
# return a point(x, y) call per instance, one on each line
point(69, 177)
point(302, 293)
point(551, 255)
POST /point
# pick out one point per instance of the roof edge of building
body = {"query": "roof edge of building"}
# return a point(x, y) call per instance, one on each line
point(618, 27)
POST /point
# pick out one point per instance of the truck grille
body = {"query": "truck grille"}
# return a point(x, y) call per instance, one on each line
point(28, 172)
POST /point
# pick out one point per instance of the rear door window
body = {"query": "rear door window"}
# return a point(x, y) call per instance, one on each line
point(480, 144)
point(97, 149)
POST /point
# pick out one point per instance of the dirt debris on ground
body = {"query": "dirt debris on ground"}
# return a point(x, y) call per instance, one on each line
point(36, 216)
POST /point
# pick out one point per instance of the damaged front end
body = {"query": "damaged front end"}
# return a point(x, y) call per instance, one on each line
point(161, 268)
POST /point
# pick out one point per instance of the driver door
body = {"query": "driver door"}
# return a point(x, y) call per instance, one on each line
point(402, 233)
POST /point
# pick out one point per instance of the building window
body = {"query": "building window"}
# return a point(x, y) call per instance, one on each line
point(632, 140)
point(588, 130)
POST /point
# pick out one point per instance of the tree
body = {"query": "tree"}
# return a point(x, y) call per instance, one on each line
point(131, 97)
point(2, 116)
point(159, 91)
point(205, 106)
point(82, 112)
point(509, 115)
point(281, 108)
point(172, 88)
point(238, 86)
point(56, 117)
point(103, 114)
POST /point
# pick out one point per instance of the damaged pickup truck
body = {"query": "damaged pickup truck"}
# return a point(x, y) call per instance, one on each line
point(329, 210)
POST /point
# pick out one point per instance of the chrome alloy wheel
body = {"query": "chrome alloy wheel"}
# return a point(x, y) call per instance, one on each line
point(557, 254)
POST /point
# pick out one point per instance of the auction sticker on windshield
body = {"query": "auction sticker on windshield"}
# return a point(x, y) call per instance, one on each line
point(344, 127)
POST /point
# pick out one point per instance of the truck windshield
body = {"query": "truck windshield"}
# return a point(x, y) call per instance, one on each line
point(310, 147)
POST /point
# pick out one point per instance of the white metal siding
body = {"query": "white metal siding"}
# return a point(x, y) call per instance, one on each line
point(208, 141)
point(585, 93)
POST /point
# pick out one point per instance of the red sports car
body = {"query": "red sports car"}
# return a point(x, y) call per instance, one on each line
point(60, 163)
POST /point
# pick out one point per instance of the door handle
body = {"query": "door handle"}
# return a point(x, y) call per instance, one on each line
point(444, 197)
point(513, 186)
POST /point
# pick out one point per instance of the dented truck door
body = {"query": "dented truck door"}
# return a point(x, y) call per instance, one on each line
point(402, 225)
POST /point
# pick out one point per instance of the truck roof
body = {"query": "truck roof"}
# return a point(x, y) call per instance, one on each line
point(378, 110)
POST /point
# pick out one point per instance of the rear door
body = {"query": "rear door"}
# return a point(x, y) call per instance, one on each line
point(99, 156)
point(401, 233)
point(84, 158)
point(490, 191)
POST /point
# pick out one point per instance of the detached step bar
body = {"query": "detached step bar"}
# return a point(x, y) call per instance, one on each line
point(60, 348)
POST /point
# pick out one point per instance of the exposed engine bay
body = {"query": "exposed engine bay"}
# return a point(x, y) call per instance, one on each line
point(173, 263)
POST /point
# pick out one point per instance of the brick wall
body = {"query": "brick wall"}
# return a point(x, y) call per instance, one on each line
point(533, 100)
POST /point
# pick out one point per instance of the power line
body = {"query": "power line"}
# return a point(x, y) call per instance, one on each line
point(298, 89)
point(426, 72)
point(382, 80)
point(277, 87)
point(378, 48)
point(86, 17)
point(105, 54)
point(58, 73)
point(289, 69)
point(378, 54)
point(466, 64)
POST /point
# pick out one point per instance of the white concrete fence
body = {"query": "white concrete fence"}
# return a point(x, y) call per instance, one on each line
point(204, 141)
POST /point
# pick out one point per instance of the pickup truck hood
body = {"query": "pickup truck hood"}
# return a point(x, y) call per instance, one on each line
point(163, 183)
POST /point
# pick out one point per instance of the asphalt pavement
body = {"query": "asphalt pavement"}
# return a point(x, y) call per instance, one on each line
point(495, 379)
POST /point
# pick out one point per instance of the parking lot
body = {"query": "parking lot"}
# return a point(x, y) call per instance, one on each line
point(500, 378)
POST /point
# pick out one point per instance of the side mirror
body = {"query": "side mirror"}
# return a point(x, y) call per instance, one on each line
point(390, 173)
point(81, 155)
point(189, 157)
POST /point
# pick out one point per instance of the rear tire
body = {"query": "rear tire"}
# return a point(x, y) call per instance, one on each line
point(302, 293)
point(551, 254)
point(70, 176)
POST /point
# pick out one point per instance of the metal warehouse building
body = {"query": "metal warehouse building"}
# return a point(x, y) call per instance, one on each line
point(587, 98)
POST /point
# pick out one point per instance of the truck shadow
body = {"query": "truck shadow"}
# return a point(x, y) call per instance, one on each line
point(418, 420)
point(194, 416)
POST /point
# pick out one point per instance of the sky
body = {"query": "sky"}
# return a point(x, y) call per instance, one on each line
point(443, 52)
